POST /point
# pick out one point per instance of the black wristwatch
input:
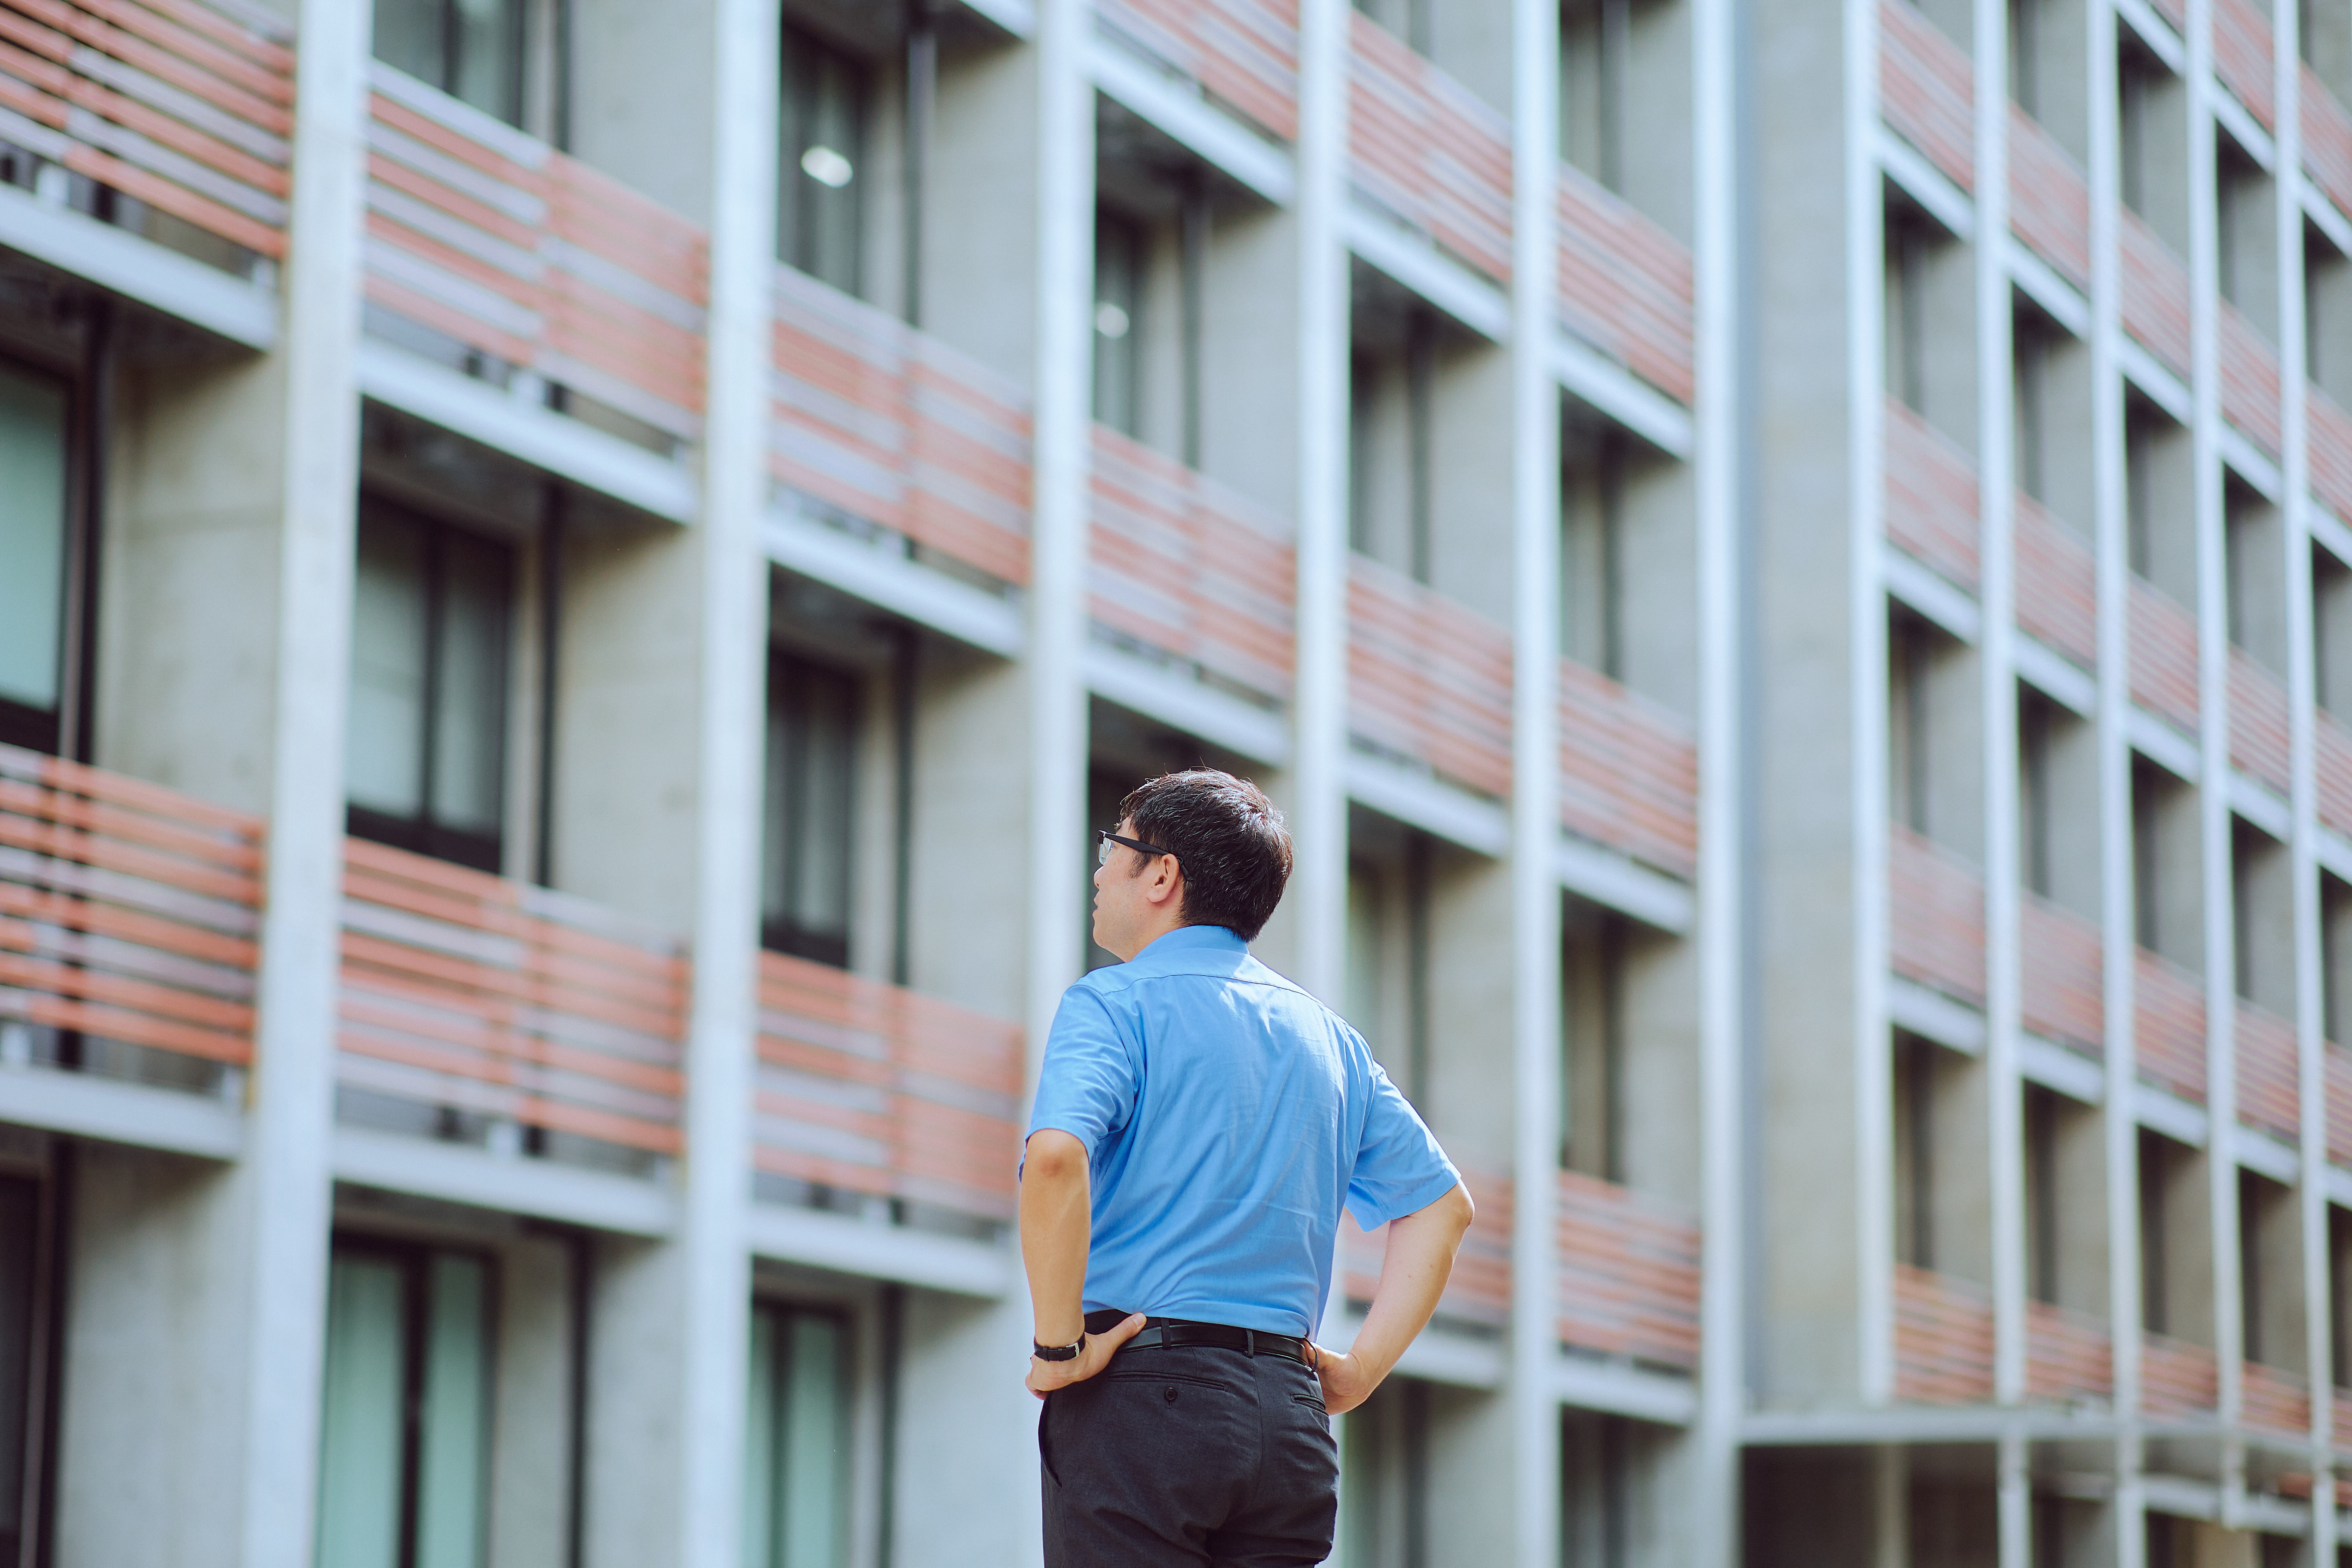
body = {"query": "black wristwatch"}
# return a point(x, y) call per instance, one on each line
point(1059, 1352)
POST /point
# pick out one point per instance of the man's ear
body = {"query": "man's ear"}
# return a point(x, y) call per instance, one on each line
point(1167, 886)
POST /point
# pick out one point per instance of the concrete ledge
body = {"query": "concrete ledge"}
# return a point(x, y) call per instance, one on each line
point(2056, 676)
point(881, 1251)
point(1015, 16)
point(2155, 33)
point(539, 436)
point(2159, 743)
point(883, 577)
point(1622, 1389)
point(1922, 588)
point(1411, 257)
point(2260, 804)
point(2149, 373)
point(1924, 183)
point(1606, 877)
point(1423, 801)
point(1932, 1016)
point(1924, 1424)
point(1616, 391)
point(1175, 106)
point(2053, 1066)
point(1172, 697)
point(138, 1114)
point(461, 1173)
point(2251, 464)
point(2169, 1114)
point(122, 262)
point(2046, 288)
point(2267, 1156)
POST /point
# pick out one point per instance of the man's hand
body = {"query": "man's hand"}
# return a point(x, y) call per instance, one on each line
point(1045, 1376)
point(1347, 1381)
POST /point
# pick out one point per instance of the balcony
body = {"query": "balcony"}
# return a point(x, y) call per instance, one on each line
point(2329, 429)
point(1927, 91)
point(2326, 140)
point(871, 1096)
point(2259, 740)
point(2242, 56)
point(2338, 1080)
point(2155, 292)
point(2069, 1355)
point(1934, 917)
point(2061, 966)
point(2266, 1073)
point(1242, 52)
point(1429, 151)
point(1478, 1293)
point(1189, 573)
point(2056, 584)
point(178, 113)
point(1626, 286)
point(2163, 651)
point(2169, 1026)
point(1943, 1339)
point(876, 426)
point(493, 255)
point(1628, 772)
point(2273, 1401)
point(477, 1009)
point(1629, 1274)
point(1428, 681)
point(2339, 1405)
point(2332, 770)
point(2250, 380)
point(129, 915)
point(2177, 1381)
point(1931, 496)
point(2048, 199)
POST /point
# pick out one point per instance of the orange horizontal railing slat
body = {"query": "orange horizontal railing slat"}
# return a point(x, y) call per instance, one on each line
point(2049, 198)
point(2057, 583)
point(2155, 291)
point(2330, 430)
point(1936, 908)
point(128, 912)
point(2061, 965)
point(1242, 51)
point(1428, 149)
point(1931, 495)
point(1478, 1291)
point(2250, 379)
point(1628, 772)
point(872, 1089)
point(1626, 286)
point(514, 250)
point(2242, 56)
point(2168, 1025)
point(2268, 1094)
point(1943, 1339)
point(1927, 90)
point(466, 992)
point(1427, 679)
point(174, 104)
point(2275, 1400)
point(2258, 739)
point(2326, 140)
point(2069, 1355)
point(1189, 569)
point(882, 424)
point(2338, 1083)
point(2177, 1379)
point(1629, 1273)
point(2163, 648)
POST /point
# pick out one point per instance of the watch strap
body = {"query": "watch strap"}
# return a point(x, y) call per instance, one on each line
point(1059, 1352)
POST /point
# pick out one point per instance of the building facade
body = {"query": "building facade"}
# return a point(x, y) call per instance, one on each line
point(574, 575)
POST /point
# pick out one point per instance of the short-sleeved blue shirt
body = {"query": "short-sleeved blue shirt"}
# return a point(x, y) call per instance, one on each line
point(1226, 1115)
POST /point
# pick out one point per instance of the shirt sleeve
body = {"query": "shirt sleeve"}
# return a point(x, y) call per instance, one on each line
point(1088, 1084)
point(1399, 1169)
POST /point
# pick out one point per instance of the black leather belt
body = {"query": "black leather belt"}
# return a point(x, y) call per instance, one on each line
point(1177, 1333)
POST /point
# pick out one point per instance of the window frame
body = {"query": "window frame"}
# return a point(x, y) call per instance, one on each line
point(779, 932)
point(66, 729)
point(781, 1311)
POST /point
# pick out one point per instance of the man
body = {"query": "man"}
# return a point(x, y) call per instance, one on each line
point(1199, 1123)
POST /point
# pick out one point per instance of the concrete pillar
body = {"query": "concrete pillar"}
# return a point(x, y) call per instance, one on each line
point(287, 1169)
point(1534, 785)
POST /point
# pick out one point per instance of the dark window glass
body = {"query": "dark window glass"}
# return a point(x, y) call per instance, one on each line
point(470, 50)
point(797, 1442)
point(820, 210)
point(403, 1443)
point(1119, 318)
point(813, 723)
point(33, 557)
point(426, 760)
point(19, 1311)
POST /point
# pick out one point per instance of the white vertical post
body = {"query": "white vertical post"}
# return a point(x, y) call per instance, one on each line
point(1535, 781)
point(1722, 887)
point(1320, 819)
point(723, 1023)
point(2118, 935)
point(287, 1171)
point(1866, 697)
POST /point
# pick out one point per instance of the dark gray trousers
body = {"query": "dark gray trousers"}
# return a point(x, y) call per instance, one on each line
point(1189, 1457)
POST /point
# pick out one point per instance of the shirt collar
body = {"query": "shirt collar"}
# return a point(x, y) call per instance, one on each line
point(1188, 939)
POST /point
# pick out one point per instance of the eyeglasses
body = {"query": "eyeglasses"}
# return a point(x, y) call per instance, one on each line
point(1105, 838)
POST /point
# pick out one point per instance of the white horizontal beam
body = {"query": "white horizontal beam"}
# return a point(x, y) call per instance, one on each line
point(123, 263)
point(1175, 106)
point(142, 1115)
point(1175, 697)
point(850, 1246)
point(880, 573)
point(509, 1184)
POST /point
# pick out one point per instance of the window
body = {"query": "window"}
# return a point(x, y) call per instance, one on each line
point(2037, 808)
point(797, 1442)
point(1911, 653)
point(1915, 1150)
point(1906, 309)
point(813, 725)
point(2157, 1161)
point(470, 50)
point(1591, 521)
point(1592, 65)
point(1406, 20)
point(34, 544)
point(2025, 55)
point(21, 1290)
point(2042, 1213)
point(1119, 259)
point(821, 208)
point(1596, 1489)
point(1384, 1465)
point(404, 1434)
point(426, 752)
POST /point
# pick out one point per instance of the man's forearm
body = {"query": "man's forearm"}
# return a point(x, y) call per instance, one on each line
point(1057, 1228)
point(1419, 1261)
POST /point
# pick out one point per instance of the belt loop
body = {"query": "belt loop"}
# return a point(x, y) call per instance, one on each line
point(1249, 1342)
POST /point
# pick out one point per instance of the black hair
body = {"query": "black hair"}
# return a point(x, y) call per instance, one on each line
point(1228, 839)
